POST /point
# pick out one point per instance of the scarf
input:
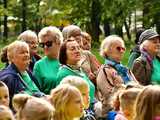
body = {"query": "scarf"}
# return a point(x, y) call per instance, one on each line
point(145, 55)
point(121, 69)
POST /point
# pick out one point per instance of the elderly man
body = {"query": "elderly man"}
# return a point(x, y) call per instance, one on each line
point(143, 65)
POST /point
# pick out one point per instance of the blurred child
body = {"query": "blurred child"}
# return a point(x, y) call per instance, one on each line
point(4, 94)
point(83, 87)
point(31, 108)
point(127, 100)
point(6, 113)
point(67, 101)
point(147, 106)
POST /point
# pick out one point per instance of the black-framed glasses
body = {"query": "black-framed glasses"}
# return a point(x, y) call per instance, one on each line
point(47, 44)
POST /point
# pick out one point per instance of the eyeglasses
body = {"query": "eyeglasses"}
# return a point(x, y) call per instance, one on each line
point(120, 48)
point(47, 44)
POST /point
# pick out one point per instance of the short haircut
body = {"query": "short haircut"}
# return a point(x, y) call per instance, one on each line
point(14, 47)
point(63, 51)
point(51, 31)
point(107, 44)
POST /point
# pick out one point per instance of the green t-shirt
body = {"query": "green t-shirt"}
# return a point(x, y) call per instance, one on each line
point(45, 70)
point(65, 71)
point(30, 85)
point(155, 77)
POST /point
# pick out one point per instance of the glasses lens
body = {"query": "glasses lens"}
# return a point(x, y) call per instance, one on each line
point(41, 45)
point(120, 49)
point(47, 44)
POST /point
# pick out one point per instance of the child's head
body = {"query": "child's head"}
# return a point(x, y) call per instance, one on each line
point(6, 113)
point(127, 100)
point(67, 101)
point(82, 85)
point(29, 108)
point(4, 94)
point(147, 105)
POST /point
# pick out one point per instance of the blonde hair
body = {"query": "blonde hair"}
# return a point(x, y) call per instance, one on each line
point(14, 47)
point(146, 103)
point(27, 35)
point(67, 31)
point(87, 36)
point(51, 31)
point(29, 107)
point(5, 110)
point(107, 44)
point(60, 97)
point(76, 81)
point(127, 100)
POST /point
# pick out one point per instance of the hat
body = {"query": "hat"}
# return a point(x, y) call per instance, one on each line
point(147, 35)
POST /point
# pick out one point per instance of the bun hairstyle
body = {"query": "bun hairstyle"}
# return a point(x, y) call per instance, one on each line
point(20, 100)
point(29, 107)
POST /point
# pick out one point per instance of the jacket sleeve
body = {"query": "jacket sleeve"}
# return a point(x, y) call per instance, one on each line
point(139, 72)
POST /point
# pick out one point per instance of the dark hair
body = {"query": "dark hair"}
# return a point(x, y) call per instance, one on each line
point(2, 84)
point(4, 58)
point(138, 33)
point(63, 49)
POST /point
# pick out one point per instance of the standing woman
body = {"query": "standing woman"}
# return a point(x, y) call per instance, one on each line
point(112, 75)
point(69, 57)
point(46, 69)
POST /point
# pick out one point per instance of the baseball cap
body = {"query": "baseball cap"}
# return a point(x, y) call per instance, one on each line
point(147, 35)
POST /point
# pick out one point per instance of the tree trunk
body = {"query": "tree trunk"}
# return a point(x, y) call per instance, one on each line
point(127, 30)
point(24, 8)
point(118, 30)
point(106, 27)
point(146, 11)
point(5, 33)
point(95, 20)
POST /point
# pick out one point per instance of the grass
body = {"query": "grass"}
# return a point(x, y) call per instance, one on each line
point(101, 59)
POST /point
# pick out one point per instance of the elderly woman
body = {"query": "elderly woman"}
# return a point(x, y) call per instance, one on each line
point(31, 39)
point(69, 57)
point(112, 75)
point(143, 67)
point(86, 39)
point(47, 68)
point(88, 61)
point(16, 76)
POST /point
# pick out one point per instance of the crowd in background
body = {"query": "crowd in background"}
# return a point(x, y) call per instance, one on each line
point(69, 83)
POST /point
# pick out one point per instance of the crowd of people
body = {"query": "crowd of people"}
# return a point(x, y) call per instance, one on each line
point(69, 83)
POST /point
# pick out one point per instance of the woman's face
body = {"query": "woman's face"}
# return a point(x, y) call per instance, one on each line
point(153, 46)
point(4, 96)
point(51, 47)
point(21, 58)
point(75, 106)
point(117, 50)
point(33, 44)
point(73, 52)
point(86, 44)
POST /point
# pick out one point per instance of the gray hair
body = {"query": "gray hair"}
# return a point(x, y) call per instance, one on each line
point(68, 30)
point(14, 47)
point(26, 35)
point(51, 31)
point(107, 44)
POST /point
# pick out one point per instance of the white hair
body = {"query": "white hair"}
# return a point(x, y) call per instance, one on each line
point(107, 44)
point(51, 31)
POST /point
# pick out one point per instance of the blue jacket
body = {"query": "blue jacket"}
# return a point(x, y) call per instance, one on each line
point(11, 77)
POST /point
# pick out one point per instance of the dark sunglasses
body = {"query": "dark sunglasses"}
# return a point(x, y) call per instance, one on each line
point(47, 44)
point(120, 48)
